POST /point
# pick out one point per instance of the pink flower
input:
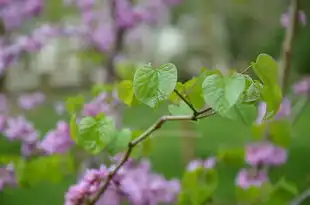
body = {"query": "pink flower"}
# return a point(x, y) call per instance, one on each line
point(301, 17)
point(246, 179)
point(265, 153)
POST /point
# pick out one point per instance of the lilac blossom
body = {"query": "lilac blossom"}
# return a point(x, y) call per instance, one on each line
point(134, 182)
point(249, 178)
point(30, 101)
point(59, 108)
point(57, 141)
point(20, 129)
point(285, 18)
point(264, 153)
point(283, 112)
point(7, 176)
point(302, 87)
point(196, 164)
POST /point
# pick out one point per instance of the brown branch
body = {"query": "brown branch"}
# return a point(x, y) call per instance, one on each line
point(157, 125)
point(287, 46)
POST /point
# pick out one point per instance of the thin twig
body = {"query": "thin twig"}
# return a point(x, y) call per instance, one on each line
point(287, 46)
point(186, 101)
point(157, 125)
point(299, 109)
point(298, 200)
point(245, 70)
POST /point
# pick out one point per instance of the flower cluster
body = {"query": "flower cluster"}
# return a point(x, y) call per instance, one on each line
point(264, 153)
point(57, 141)
point(285, 19)
point(15, 12)
point(100, 104)
point(30, 100)
point(101, 34)
point(134, 182)
point(196, 164)
point(12, 49)
point(302, 87)
point(19, 128)
point(7, 176)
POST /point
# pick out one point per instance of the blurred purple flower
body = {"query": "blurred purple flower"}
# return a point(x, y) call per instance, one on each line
point(57, 141)
point(59, 108)
point(263, 153)
point(7, 176)
point(285, 19)
point(30, 101)
point(20, 129)
point(249, 178)
point(302, 87)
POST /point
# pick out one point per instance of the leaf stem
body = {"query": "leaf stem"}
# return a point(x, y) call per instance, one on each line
point(299, 109)
point(186, 101)
point(157, 125)
point(287, 45)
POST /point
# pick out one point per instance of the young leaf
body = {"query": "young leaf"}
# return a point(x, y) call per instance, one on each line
point(280, 132)
point(243, 112)
point(125, 91)
point(74, 103)
point(221, 93)
point(44, 169)
point(199, 185)
point(95, 134)
point(181, 109)
point(266, 69)
point(73, 128)
point(154, 85)
point(120, 141)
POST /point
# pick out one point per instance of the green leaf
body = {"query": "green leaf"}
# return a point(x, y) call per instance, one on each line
point(51, 168)
point(73, 128)
point(120, 142)
point(253, 195)
point(252, 91)
point(154, 85)
point(125, 91)
point(91, 55)
point(174, 98)
point(223, 93)
point(231, 156)
point(280, 132)
point(282, 193)
point(199, 185)
point(273, 98)
point(181, 109)
point(266, 69)
point(74, 103)
point(243, 112)
point(95, 134)
point(125, 69)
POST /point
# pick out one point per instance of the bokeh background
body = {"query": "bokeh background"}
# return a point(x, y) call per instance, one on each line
point(221, 34)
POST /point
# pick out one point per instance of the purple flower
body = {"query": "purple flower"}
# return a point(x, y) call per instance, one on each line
point(194, 165)
point(20, 129)
point(59, 108)
point(249, 178)
point(285, 109)
point(285, 19)
point(30, 101)
point(57, 141)
point(87, 186)
point(265, 153)
point(302, 87)
point(7, 176)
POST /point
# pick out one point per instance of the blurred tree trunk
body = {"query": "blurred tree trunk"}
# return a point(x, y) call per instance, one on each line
point(188, 141)
point(3, 78)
